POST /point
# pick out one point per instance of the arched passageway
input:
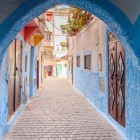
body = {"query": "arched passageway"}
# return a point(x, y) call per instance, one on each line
point(125, 28)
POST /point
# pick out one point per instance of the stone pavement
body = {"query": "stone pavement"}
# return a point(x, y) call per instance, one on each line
point(58, 112)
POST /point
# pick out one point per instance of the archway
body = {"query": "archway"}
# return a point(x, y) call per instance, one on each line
point(106, 11)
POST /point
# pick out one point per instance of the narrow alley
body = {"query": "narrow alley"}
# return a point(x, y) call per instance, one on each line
point(70, 69)
point(59, 112)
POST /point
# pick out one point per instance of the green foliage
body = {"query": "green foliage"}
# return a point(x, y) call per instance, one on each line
point(75, 21)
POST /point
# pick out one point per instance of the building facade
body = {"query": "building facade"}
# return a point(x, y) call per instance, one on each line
point(55, 44)
point(97, 68)
point(22, 73)
point(121, 16)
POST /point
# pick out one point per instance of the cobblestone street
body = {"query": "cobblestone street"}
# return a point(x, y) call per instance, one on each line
point(58, 112)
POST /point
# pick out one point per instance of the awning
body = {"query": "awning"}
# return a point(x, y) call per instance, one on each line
point(37, 38)
point(64, 57)
point(28, 30)
point(32, 30)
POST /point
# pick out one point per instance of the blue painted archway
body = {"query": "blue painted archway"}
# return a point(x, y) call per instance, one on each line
point(105, 10)
point(127, 32)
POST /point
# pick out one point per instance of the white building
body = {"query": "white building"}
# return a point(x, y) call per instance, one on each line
point(56, 38)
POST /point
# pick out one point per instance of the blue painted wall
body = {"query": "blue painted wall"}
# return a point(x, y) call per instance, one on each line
point(127, 33)
point(87, 82)
point(32, 72)
point(6, 124)
point(3, 95)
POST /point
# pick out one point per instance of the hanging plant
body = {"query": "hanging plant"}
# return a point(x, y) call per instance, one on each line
point(77, 20)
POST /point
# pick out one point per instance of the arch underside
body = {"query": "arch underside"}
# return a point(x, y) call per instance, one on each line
point(106, 11)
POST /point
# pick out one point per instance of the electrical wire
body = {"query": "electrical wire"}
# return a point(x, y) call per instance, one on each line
point(57, 27)
point(41, 20)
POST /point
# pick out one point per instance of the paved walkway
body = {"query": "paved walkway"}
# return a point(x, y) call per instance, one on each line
point(60, 113)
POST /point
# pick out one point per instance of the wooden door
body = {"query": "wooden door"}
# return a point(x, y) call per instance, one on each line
point(120, 84)
point(51, 69)
point(59, 70)
point(116, 100)
point(37, 74)
point(18, 68)
point(14, 76)
point(11, 79)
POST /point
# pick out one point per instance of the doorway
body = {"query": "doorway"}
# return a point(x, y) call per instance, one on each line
point(49, 70)
point(116, 98)
point(59, 70)
point(14, 76)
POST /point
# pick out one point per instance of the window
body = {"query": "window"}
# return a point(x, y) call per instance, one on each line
point(49, 36)
point(78, 61)
point(64, 48)
point(87, 62)
point(48, 54)
point(64, 30)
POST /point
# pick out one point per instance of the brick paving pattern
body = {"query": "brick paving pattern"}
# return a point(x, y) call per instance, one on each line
point(58, 112)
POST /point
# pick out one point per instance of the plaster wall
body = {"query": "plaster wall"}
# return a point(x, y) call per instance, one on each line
point(49, 62)
point(5, 123)
point(96, 43)
point(27, 73)
point(48, 24)
point(58, 36)
point(90, 40)
point(58, 21)
point(59, 54)
point(93, 40)
point(65, 69)
point(57, 40)
point(38, 50)
point(63, 73)
point(3, 95)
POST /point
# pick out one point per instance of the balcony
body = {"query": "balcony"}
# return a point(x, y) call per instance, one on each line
point(60, 53)
point(47, 55)
point(48, 44)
